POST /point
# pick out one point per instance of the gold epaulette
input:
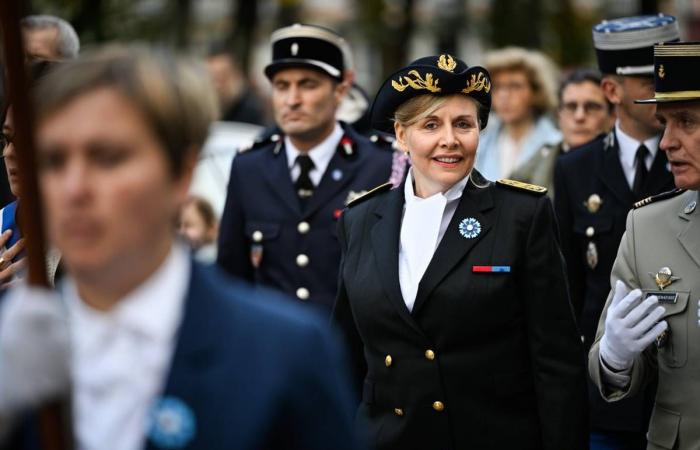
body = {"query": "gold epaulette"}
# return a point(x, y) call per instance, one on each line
point(533, 188)
point(657, 197)
point(370, 193)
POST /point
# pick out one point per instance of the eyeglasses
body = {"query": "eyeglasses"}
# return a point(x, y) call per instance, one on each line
point(6, 139)
point(588, 107)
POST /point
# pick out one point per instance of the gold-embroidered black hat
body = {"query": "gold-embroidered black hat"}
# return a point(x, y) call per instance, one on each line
point(309, 46)
point(624, 46)
point(676, 68)
point(436, 75)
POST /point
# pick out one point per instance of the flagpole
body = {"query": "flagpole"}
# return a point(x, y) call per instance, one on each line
point(51, 417)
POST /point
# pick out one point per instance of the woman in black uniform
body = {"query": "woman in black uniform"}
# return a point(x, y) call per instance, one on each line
point(453, 296)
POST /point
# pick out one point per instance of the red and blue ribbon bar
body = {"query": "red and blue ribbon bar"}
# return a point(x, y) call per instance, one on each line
point(490, 269)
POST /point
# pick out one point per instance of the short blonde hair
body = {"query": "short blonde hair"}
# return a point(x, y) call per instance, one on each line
point(173, 94)
point(538, 68)
point(418, 108)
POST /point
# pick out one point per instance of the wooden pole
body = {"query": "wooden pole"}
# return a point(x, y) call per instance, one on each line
point(51, 418)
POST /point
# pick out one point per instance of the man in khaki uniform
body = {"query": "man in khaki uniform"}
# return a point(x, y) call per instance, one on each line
point(654, 329)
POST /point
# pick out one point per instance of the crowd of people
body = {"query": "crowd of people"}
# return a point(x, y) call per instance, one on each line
point(507, 259)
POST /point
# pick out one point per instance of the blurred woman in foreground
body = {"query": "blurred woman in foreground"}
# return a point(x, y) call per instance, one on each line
point(155, 339)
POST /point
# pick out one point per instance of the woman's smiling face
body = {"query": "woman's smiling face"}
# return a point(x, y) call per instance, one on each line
point(442, 145)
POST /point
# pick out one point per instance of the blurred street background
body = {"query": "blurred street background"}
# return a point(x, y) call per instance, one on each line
point(384, 34)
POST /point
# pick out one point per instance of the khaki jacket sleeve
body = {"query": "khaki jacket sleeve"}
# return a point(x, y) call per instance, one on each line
point(644, 366)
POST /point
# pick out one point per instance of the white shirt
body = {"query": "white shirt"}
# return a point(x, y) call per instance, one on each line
point(120, 358)
point(321, 155)
point(424, 223)
point(509, 150)
point(628, 151)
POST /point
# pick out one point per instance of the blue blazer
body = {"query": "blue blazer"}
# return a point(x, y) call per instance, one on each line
point(256, 372)
point(251, 371)
point(488, 154)
point(262, 202)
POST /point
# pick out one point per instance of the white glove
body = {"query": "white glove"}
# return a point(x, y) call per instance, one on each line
point(630, 326)
point(34, 348)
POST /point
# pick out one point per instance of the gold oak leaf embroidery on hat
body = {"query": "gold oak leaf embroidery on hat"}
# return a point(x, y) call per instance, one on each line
point(477, 83)
point(446, 62)
point(414, 80)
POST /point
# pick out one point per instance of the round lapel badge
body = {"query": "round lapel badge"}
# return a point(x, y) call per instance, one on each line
point(172, 423)
point(469, 228)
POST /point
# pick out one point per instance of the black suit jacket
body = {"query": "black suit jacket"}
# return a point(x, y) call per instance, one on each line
point(595, 169)
point(507, 361)
point(261, 198)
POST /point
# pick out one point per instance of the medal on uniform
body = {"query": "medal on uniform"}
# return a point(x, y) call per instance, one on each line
point(172, 423)
point(662, 339)
point(664, 277)
point(256, 254)
point(256, 249)
point(469, 228)
point(690, 207)
point(593, 203)
point(592, 255)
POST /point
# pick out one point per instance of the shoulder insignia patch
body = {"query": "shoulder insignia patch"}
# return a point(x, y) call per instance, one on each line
point(379, 189)
point(519, 185)
point(262, 142)
point(658, 197)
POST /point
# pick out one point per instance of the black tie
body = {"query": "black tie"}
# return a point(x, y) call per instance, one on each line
point(304, 186)
point(640, 171)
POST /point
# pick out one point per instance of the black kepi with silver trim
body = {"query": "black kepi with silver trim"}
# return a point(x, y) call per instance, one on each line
point(309, 46)
point(624, 46)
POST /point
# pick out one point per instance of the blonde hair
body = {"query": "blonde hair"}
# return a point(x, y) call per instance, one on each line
point(540, 71)
point(418, 108)
point(173, 94)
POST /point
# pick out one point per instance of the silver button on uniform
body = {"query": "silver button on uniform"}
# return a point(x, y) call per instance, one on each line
point(257, 236)
point(590, 231)
point(303, 293)
point(303, 227)
point(302, 260)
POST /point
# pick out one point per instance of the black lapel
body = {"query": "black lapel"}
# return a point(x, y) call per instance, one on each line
point(275, 169)
point(339, 173)
point(385, 242)
point(660, 179)
point(609, 170)
point(474, 203)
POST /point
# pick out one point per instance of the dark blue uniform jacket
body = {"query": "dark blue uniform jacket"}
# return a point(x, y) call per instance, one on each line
point(298, 250)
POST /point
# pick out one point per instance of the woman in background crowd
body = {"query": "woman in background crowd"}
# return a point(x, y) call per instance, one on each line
point(584, 114)
point(12, 245)
point(524, 93)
